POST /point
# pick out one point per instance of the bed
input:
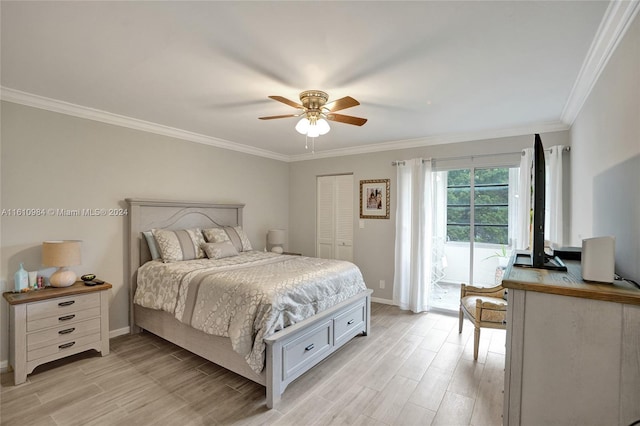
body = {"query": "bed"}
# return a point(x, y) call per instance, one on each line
point(285, 353)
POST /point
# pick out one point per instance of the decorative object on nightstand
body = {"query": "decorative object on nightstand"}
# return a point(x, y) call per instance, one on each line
point(275, 238)
point(53, 323)
point(61, 254)
point(21, 279)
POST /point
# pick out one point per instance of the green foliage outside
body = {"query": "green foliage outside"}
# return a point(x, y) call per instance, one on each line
point(491, 199)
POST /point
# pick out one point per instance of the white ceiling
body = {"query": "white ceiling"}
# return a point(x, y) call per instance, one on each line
point(420, 69)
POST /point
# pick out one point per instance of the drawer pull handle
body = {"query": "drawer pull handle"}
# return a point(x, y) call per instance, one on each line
point(66, 345)
point(67, 303)
point(351, 322)
point(310, 347)
point(67, 317)
point(67, 331)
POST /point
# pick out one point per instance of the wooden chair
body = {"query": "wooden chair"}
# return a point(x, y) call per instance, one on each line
point(485, 307)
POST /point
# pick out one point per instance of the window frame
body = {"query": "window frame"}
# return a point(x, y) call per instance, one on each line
point(472, 206)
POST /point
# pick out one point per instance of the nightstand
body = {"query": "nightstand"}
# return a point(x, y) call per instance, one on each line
point(52, 323)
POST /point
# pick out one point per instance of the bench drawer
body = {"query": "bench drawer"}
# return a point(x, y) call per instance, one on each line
point(349, 324)
point(306, 350)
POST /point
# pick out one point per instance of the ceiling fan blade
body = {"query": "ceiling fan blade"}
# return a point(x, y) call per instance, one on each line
point(342, 103)
point(271, 117)
point(286, 101)
point(348, 119)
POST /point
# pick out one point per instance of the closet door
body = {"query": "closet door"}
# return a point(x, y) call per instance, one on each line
point(334, 231)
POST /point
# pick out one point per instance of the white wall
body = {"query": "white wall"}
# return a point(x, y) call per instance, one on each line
point(52, 160)
point(605, 157)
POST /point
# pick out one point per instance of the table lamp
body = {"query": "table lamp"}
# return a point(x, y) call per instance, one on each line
point(61, 254)
point(275, 238)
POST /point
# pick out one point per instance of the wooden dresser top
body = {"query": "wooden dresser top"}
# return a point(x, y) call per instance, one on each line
point(52, 292)
point(569, 283)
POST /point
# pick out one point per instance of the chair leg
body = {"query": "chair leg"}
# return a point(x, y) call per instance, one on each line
point(461, 318)
point(476, 342)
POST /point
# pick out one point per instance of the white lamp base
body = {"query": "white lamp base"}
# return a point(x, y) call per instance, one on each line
point(62, 278)
point(277, 249)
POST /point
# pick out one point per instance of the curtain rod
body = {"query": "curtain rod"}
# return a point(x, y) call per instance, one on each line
point(402, 162)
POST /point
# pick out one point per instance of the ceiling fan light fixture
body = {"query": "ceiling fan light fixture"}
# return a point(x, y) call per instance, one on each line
point(313, 131)
point(316, 112)
point(323, 126)
point(303, 126)
point(313, 127)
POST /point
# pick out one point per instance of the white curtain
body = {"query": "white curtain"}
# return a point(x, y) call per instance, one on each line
point(555, 212)
point(523, 217)
point(413, 257)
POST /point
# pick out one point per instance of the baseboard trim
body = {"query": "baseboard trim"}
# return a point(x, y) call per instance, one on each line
point(383, 301)
point(119, 332)
point(4, 366)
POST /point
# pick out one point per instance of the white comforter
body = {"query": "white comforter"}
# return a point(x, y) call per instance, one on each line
point(247, 297)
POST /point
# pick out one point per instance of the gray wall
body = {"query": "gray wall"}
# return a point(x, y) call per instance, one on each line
point(374, 245)
point(52, 160)
point(605, 140)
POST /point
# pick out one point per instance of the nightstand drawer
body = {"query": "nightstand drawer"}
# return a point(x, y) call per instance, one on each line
point(62, 346)
point(63, 319)
point(61, 334)
point(62, 306)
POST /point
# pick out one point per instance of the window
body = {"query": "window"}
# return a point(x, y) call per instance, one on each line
point(490, 189)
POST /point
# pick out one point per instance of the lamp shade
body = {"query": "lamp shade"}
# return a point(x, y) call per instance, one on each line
point(61, 253)
point(275, 236)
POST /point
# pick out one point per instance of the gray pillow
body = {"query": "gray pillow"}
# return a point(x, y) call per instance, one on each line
point(183, 244)
point(151, 243)
point(219, 250)
point(238, 237)
point(215, 235)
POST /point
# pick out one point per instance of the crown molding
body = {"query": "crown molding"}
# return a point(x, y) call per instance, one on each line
point(36, 101)
point(615, 23)
point(556, 126)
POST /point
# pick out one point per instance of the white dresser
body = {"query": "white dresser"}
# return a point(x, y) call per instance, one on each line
point(53, 323)
point(572, 351)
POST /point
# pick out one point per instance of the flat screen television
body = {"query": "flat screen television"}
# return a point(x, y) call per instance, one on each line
point(537, 258)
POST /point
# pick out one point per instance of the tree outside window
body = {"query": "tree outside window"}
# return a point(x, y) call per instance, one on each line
point(491, 205)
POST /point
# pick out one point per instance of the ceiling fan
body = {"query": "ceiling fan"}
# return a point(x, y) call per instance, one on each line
point(314, 109)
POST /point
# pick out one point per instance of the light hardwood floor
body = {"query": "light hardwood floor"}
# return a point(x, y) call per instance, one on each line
point(412, 370)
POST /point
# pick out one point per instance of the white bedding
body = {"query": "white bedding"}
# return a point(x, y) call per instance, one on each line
point(247, 297)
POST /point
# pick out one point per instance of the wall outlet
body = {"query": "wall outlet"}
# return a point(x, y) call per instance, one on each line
point(361, 224)
point(382, 283)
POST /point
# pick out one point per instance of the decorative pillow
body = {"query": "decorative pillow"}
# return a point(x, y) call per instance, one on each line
point(219, 250)
point(215, 235)
point(238, 238)
point(179, 245)
point(151, 243)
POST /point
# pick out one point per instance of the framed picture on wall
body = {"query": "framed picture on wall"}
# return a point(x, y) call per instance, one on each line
point(374, 198)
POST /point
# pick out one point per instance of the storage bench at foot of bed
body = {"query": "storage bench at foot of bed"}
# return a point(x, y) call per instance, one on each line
point(290, 352)
point(295, 350)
